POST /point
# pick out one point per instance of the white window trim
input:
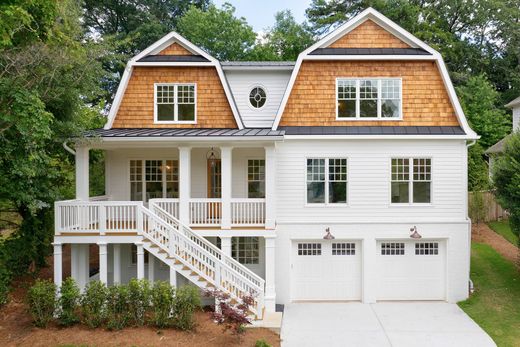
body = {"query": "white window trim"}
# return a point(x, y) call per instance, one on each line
point(370, 119)
point(143, 176)
point(246, 188)
point(410, 202)
point(326, 203)
point(251, 87)
point(176, 107)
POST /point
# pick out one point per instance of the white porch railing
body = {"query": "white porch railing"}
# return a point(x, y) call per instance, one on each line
point(96, 216)
point(247, 212)
point(169, 205)
point(205, 212)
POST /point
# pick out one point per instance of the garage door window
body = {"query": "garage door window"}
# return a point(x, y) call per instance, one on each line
point(427, 248)
point(392, 248)
point(343, 249)
point(309, 249)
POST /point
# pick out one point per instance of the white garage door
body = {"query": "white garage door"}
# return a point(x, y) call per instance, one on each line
point(326, 270)
point(411, 270)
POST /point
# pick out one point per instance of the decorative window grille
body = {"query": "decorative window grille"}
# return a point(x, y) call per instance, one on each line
point(256, 178)
point(392, 248)
point(327, 180)
point(309, 249)
point(344, 248)
point(427, 248)
point(175, 102)
point(411, 180)
point(246, 250)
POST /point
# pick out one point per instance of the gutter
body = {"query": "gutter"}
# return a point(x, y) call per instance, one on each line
point(471, 287)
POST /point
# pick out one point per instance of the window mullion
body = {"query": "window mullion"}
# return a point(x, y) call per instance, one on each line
point(163, 178)
point(358, 96)
point(379, 95)
point(175, 103)
point(143, 183)
point(326, 180)
point(410, 182)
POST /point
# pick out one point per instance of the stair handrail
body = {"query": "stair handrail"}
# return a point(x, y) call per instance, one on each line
point(186, 230)
point(259, 290)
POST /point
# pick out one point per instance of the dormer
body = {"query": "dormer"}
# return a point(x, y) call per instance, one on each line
point(173, 84)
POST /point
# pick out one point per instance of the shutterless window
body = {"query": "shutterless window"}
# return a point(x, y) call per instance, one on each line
point(154, 178)
point(326, 180)
point(246, 250)
point(256, 178)
point(411, 180)
point(175, 102)
point(368, 98)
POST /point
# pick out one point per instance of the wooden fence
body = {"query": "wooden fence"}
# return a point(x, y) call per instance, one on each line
point(483, 207)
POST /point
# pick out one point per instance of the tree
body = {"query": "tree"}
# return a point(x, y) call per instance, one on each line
point(506, 178)
point(479, 100)
point(286, 39)
point(218, 31)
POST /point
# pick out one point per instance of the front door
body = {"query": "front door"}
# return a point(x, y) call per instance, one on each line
point(214, 187)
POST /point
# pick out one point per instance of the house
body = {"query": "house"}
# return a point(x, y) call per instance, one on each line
point(497, 149)
point(341, 176)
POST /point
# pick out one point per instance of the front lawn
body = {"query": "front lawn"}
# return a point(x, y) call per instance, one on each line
point(495, 305)
point(502, 228)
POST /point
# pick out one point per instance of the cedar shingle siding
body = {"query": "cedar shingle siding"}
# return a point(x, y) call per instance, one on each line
point(312, 101)
point(369, 35)
point(175, 49)
point(137, 106)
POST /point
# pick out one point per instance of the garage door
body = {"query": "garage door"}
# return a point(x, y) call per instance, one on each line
point(411, 270)
point(326, 270)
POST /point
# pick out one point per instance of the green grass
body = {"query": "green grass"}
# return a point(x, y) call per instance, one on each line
point(502, 228)
point(495, 305)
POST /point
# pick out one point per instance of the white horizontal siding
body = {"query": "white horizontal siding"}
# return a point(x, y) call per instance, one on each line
point(369, 181)
point(274, 83)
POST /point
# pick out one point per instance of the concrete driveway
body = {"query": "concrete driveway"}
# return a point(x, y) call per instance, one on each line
point(383, 324)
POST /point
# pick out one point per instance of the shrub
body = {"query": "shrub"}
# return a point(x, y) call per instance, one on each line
point(69, 302)
point(93, 304)
point(139, 296)
point(186, 301)
point(231, 315)
point(262, 343)
point(42, 302)
point(162, 300)
point(117, 307)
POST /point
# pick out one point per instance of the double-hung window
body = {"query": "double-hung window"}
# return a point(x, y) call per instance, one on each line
point(411, 180)
point(326, 180)
point(369, 98)
point(256, 178)
point(175, 103)
point(156, 178)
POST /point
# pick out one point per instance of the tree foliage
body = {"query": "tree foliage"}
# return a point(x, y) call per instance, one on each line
point(506, 177)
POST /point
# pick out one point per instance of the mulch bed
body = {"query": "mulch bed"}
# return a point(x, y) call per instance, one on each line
point(16, 328)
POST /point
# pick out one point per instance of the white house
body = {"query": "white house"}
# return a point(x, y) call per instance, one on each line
point(495, 150)
point(341, 176)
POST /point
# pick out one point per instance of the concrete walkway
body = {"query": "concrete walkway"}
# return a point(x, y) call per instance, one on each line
point(383, 324)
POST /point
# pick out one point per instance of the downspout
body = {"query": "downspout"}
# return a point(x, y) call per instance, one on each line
point(470, 284)
point(68, 149)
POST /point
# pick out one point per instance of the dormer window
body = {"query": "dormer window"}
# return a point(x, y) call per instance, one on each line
point(175, 103)
point(369, 98)
point(257, 97)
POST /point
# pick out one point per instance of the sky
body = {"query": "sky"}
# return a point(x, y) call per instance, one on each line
point(260, 14)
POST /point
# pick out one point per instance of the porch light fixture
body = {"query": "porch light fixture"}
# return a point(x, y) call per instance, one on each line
point(212, 157)
point(328, 235)
point(415, 234)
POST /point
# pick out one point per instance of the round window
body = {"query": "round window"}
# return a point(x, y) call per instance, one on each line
point(257, 97)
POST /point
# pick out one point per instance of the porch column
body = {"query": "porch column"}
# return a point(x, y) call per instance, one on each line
point(225, 245)
point(270, 187)
point(117, 263)
point(151, 268)
point(82, 180)
point(80, 264)
point(270, 292)
point(58, 264)
point(369, 270)
point(103, 262)
point(173, 276)
point(140, 260)
point(225, 157)
point(184, 184)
